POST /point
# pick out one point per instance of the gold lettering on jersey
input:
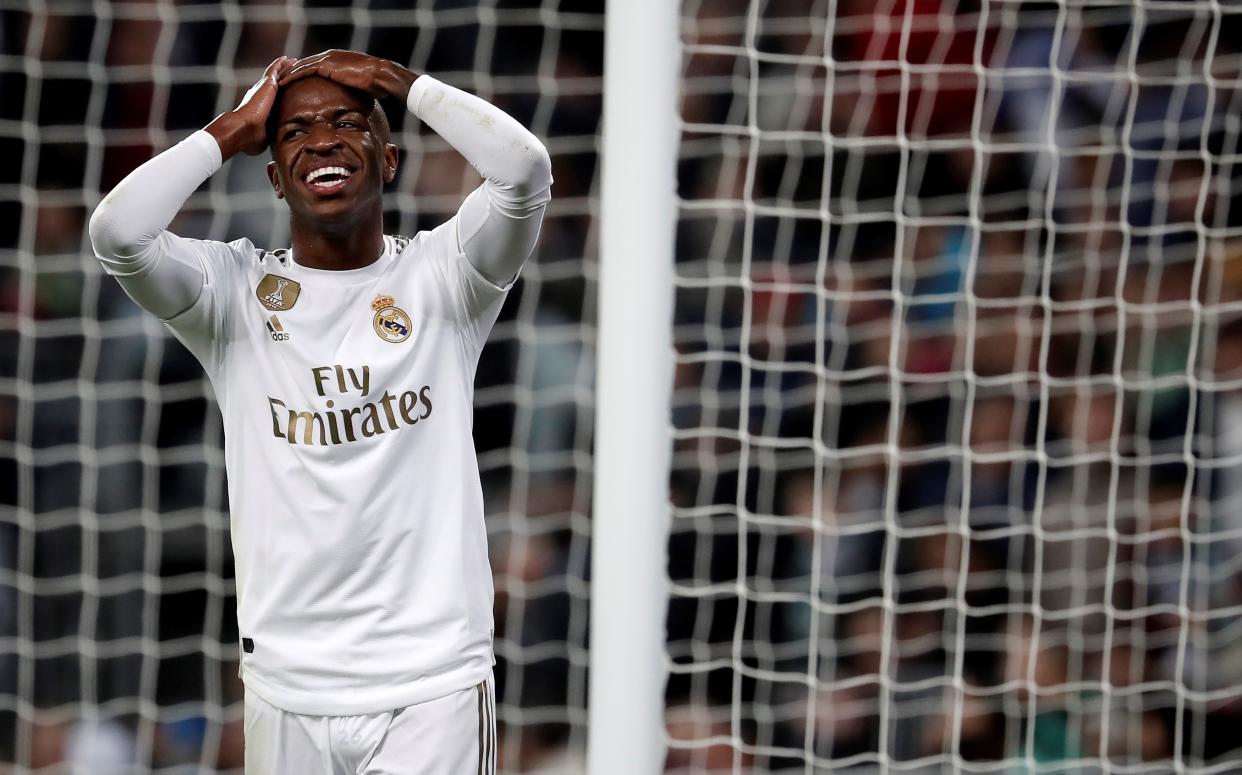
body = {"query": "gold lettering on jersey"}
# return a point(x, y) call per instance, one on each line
point(331, 425)
point(277, 293)
point(360, 379)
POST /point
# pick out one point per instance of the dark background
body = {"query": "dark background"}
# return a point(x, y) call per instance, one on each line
point(957, 342)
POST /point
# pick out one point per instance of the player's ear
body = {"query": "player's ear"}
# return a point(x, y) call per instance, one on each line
point(272, 176)
point(390, 162)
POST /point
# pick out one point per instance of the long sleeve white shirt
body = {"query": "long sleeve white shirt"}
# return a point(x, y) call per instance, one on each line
point(356, 510)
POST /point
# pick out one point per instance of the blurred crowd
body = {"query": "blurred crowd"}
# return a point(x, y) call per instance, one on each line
point(957, 403)
point(957, 457)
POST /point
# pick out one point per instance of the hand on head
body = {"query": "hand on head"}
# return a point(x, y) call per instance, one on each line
point(377, 77)
point(244, 129)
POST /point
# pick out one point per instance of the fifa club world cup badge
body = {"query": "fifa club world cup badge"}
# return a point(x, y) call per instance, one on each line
point(391, 322)
point(277, 293)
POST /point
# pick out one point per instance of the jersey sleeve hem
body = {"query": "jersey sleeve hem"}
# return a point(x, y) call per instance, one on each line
point(483, 279)
point(211, 358)
point(173, 319)
point(215, 159)
point(204, 325)
point(420, 87)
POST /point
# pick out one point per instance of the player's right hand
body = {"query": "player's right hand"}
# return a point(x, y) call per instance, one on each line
point(244, 129)
point(373, 75)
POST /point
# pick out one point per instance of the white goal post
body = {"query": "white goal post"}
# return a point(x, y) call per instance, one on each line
point(634, 380)
point(957, 339)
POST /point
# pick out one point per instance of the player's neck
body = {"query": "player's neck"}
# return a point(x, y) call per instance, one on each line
point(316, 247)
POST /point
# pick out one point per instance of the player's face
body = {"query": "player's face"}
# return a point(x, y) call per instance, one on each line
point(330, 156)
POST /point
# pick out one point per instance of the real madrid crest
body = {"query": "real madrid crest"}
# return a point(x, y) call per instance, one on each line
point(391, 322)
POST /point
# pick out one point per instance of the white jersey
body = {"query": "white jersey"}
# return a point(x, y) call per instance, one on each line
point(363, 582)
point(357, 516)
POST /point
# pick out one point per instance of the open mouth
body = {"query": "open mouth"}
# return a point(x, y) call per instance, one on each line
point(328, 179)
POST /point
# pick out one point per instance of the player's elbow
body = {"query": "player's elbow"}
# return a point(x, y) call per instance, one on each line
point(104, 230)
point(537, 170)
point(531, 188)
point(110, 236)
point(525, 186)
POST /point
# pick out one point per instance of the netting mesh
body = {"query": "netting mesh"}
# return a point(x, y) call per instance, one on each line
point(956, 408)
point(956, 418)
point(118, 640)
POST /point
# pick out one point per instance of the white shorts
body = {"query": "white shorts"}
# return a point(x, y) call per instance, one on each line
point(454, 735)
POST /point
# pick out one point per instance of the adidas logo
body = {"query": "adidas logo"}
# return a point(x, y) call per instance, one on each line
point(279, 334)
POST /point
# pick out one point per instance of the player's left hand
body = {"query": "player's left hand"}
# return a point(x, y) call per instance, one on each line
point(373, 75)
point(243, 129)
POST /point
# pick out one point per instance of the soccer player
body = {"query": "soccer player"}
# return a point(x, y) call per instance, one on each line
point(344, 369)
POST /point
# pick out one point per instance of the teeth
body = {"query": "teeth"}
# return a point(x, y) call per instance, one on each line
point(319, 173)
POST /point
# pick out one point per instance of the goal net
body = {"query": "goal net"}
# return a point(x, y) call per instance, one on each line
point(955, 417)
point(118, 639)
point(956, 404)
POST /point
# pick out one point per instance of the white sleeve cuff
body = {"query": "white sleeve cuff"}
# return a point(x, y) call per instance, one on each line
point(422, 84)
point(211, 150)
